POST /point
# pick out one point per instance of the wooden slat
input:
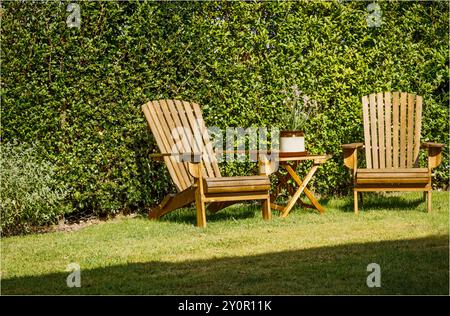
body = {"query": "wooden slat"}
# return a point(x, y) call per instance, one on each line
point(182, 117)
point(177, 146)
point(187, 145)
point(161, 141)
point(179, 108)
point(166, 133)
point(220, 197)
point(251, 188)
point(420, 170)
point(365, 102)
point(208, 154)
point(183, 129)
point(391, 180)
point(206, 141)
point(398, 187)
point(236, 184)
point(388, 126)
point(403, 127)
point(241, 183)
point(417, 129)
point(395, 130)
point(381, 140)
point(410, 131)
point(238, 178)
point(393, 175)
point(197, 138)
point(373, 129)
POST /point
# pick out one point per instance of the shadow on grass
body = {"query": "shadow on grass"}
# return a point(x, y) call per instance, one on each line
point(416, 266)
point(380, 201)
point(373, 201)
point(234, 212)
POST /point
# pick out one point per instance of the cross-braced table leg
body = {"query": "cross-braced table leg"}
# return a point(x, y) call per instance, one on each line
point(295, 197)
point(299, 191)
point(308, 193)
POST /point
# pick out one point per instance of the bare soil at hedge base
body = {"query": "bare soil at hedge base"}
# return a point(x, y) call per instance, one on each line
point(71, 226)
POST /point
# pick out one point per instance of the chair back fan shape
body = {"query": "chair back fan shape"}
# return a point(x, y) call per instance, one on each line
point(392, 126)
point(178, 127)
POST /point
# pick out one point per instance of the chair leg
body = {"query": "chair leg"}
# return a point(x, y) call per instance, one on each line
point(201, 210)
point(154, 212)
point(424, 196)
point(201, 214)
point(355, 201)
point(266, 213)
point(361, 200)
point(429, 201)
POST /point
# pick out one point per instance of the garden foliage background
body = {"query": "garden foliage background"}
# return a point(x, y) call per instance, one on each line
point(74, 95)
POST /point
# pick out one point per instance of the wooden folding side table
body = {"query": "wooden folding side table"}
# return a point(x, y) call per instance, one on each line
point(290, 163)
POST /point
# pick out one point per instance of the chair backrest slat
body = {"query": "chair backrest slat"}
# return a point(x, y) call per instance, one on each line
point(209, 155)
point(417, 130)
point(403, 109)
point(197, 137)
point(392, 126)
point(162, 142)
point(186, 145)
point(365, 101)
point(171, 130)
point(381, 139)
point(395, 129)
point(373, 128)
point(388, 126)
point(410, 131)
point(178, 127)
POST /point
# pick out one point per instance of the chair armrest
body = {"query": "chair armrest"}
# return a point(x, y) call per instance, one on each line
point(266, 166)
point(353, 146)
point(431, 145)
point(351, 155)
point(196, 169)
point(434, 153)
point(185, 157)
point(246, 152)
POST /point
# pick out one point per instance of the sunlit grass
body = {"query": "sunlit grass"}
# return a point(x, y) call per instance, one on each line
point(240, 253)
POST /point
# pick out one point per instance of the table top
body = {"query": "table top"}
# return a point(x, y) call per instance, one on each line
point(305, 157)
point(289, 156)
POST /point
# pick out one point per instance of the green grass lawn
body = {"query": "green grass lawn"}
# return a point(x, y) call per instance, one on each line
point(239, 253)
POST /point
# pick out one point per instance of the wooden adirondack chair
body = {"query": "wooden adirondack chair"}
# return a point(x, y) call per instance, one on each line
point(392, 124)
point(183, 140)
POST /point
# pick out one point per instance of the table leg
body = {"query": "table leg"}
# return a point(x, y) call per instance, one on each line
point(308, 193)
point(299, 191)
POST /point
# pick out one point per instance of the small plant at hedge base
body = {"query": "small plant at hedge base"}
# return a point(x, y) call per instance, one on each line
point(30, 196)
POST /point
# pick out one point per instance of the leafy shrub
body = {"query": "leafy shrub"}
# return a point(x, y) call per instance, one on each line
point(79, 90)
point(30, 195)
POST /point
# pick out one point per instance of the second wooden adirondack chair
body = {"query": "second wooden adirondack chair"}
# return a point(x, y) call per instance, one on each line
point(183, 140)
point(392, 126)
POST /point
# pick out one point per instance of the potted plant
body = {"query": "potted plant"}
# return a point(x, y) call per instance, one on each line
point(298, 110)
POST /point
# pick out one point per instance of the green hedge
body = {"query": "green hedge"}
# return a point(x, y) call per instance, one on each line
point(79, 91)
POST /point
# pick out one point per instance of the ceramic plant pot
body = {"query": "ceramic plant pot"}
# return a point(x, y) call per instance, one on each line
point(292, 142)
